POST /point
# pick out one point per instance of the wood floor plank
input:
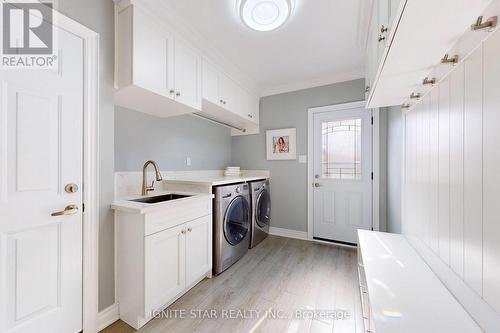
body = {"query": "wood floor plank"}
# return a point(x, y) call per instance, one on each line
point(281, 286)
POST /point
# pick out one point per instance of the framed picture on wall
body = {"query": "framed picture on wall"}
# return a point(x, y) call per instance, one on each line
point(281, 144)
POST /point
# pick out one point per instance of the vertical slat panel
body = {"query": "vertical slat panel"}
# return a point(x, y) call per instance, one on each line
point(444, 170)
point(425, 171)
point(491, 171)
point(473, 165)
point(434, 170)
point(457, 170)
point(419, 172)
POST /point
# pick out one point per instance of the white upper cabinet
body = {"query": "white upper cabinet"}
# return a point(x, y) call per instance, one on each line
point(155, 72)
point(158, 72)
point(187, 69)
point(406, 40)
point(226, 101)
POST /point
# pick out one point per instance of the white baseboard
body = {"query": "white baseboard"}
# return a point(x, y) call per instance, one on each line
point(108, 316)
point(289, 233)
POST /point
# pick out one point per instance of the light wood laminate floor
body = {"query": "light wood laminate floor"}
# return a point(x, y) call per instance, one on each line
point(269, 285)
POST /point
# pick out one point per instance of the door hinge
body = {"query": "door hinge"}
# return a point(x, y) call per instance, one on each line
point(372, 120)
point(372, 175)
point(83, 208)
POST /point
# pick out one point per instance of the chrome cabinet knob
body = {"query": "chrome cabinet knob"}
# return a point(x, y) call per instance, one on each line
point(172, 91)
point(178, 94)
point(190, 229)
point(183, 232)
point(380, 38)
point(317, 185)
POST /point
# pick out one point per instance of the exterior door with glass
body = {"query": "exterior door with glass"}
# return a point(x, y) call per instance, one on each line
point(342, 166)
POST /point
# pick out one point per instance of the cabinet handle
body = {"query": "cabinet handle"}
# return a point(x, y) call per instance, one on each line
point(172, 91)
point(221, 101)
point(190, 229)
point(380, 38)
point(250, 116)
point(183, 232)
point(178, 94)
point(383, 29)
point(224, 102)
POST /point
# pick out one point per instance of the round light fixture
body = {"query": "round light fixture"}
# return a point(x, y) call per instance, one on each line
point(265, 15)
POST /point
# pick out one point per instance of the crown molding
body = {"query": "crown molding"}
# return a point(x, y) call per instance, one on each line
point(313, 83)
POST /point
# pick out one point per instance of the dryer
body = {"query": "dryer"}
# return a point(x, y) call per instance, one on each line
point(232, 221)
point(260, 196)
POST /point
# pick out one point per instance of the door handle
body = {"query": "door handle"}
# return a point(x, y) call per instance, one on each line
point(68, 210)
point(317, 185)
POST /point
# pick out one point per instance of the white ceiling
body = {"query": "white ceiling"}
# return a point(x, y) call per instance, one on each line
point(317, 46)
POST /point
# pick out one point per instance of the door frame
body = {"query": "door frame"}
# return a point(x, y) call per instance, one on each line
point(90, 217)
point(310, 161)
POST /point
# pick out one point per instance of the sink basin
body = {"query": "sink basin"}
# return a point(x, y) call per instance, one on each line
point(161, 198)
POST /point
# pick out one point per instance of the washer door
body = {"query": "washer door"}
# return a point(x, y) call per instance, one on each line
point(263, 209)
point(237, 220)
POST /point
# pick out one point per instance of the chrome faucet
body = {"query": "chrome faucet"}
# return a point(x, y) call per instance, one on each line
point(145, 188)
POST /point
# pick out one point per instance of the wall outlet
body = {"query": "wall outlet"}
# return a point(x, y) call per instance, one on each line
point(188, 161)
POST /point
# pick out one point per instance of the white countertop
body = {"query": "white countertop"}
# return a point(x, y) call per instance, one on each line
point(405, 295)
point(124, 204)
point(214, 181)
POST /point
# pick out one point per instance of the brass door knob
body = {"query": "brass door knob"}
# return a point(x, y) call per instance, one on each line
point(68, 210)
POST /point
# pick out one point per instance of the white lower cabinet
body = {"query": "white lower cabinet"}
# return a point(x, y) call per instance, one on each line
point(198, 249)
point(165, 266)
point(155, 269)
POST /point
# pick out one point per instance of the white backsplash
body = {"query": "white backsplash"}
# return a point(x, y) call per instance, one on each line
point(129, 183)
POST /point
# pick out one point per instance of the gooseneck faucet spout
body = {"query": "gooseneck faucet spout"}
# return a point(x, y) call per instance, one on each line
point(145, 188)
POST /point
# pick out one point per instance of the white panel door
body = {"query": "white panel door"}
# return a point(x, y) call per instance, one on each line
point(444, 170)
point(342, 174)
point(165, 266)
point(491, 174)
point(457, 170)
point(41, 116)
point(198, 248)
point(187, 64)
point(473, 171)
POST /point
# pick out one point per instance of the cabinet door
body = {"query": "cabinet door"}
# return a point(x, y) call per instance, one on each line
point(210, 85)
point(152, 56)
point(165, 266)
point(230, 94)
point(187, 69)
point(198, 248)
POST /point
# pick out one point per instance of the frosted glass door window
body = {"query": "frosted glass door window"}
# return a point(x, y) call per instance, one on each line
point(341, 149)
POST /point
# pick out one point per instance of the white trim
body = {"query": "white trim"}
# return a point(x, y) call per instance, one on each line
point(310, 159)
point(289, 233)
point(90, 167)
point(376, 170)
point(108, 316)
point(312, 83)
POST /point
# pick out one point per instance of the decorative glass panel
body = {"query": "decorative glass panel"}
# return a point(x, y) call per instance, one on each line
point(341, 149)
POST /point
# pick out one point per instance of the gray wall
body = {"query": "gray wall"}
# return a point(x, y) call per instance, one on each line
point(289, 178)
point(394, 145)
point(139, 137)
point(98, 16)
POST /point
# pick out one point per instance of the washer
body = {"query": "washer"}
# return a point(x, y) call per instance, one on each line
point(231, 225)
point(260, 197)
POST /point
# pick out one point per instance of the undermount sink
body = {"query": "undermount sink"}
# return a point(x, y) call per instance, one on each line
point(161, 198)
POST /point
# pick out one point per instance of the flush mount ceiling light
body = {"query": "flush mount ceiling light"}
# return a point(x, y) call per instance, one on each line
point(265, 15)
